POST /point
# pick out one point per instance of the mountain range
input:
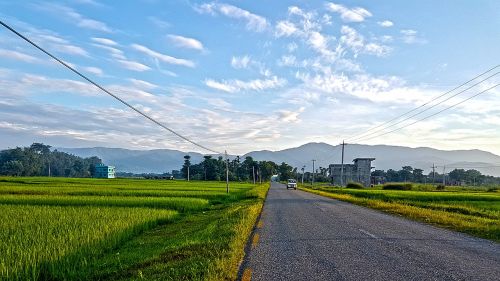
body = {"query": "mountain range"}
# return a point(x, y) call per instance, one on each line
point(386, 157)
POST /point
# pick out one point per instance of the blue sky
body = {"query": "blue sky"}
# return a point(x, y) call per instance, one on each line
point(247, 75)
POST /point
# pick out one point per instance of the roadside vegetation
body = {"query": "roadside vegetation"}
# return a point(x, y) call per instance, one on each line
point(124, 229)
point(475, 211)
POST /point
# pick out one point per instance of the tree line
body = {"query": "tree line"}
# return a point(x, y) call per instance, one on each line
point(239, 169)
point(39, 160)
point(456, 176)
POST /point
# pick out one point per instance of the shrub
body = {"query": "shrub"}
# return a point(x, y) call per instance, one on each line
point(440, 187)
point(398, 186)
point(355, 185)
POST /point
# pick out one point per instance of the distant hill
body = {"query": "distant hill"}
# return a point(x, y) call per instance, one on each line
point(387, 157)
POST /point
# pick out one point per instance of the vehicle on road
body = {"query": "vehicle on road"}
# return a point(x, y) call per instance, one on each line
point(291, 184)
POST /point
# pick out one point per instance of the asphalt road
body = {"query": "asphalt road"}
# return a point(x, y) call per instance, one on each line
point(302, 236)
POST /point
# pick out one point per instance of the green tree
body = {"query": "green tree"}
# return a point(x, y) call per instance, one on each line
point(186, 166)
point(12, 168)
point(418, 175)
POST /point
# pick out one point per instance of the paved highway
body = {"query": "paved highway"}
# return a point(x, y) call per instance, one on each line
point(302, 236)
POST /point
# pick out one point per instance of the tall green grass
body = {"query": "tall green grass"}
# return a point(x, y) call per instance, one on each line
point(52, 242)
point(182, 204)
point(123, 229)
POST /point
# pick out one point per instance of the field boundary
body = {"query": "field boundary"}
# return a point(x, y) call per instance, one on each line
point(243, 271)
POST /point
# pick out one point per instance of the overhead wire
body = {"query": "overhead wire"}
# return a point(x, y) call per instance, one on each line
point(365, 133)
point(434, 114)
point(108, 92)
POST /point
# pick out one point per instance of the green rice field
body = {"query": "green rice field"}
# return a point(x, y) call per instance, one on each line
point(124, 229)
point(471, 210)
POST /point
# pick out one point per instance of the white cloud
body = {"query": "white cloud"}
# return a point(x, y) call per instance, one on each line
point(75, 17)
point(70, 49)
point(410, 36)
point(92, 24)
point(240, 62)
point(349, 15)
point(285, 28)
point(356, 42)
point(159, 22)
point(133, 65)
point(185, 42)
point(253, 22)
point(233, 86)
point(94, 70)
point(162, 57)
point(290, 116)
point(292, 47)
point(288, 60)
point(143, 84)
point(104, 41)
point(115, 53)
point(15, 55)
point(385, 23)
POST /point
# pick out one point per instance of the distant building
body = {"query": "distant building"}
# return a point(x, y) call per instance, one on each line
point(360, 172)
point(104, 171)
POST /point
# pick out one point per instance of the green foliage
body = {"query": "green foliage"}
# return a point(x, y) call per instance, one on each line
point(241, 171)
point(455, 177)
point(397, 186)
point(440, 187)
point(39, 160)
point(355, 185)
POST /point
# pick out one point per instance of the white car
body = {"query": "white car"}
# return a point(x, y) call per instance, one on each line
point(291, 184)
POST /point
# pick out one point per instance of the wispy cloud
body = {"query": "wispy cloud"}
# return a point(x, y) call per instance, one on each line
point(162, 57)
point(159, 22)
point(104, 41)
point(356, 14)
point(185, 42)
point(385, 23)
point(291, 116)
point(133, 65)
point(114, 52)
point(253, 22)
point(15, 55)
point(240, 62)
point(285, 28)
point(75, 17)
point(94, 70)
point(233, 86)
point(411, 36)
point(356, 42)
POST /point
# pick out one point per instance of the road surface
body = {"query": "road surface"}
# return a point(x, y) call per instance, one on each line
point(303, 236)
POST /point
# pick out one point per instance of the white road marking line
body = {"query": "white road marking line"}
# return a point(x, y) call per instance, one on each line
point(367, 233)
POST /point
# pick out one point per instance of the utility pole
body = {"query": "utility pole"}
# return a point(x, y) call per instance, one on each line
point(227, 172)
point(253, 173)
point(188, 171)
point(312, 183)
point(303, 168)
point(433, 173)
point(342, 168)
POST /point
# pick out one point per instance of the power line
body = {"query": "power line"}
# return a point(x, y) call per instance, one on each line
point(106, 91)
point(356, 136)
point(427, 109)
point(429, 116)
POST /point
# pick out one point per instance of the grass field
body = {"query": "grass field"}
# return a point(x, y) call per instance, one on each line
point(124, 229)
point(473, 211)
